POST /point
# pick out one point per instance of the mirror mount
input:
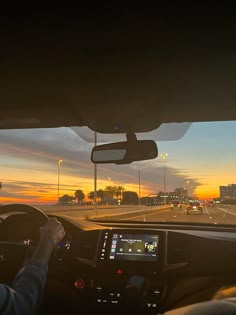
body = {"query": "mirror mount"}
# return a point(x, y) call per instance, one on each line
point(131, 137)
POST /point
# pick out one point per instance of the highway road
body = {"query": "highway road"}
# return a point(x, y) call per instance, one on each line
point(212, 215)
point(218, 214)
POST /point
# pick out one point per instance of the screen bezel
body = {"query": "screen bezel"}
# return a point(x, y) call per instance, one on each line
point(137, 266)
point(142, 257)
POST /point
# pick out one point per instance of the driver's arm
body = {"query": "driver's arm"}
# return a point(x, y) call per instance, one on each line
point(26, 293)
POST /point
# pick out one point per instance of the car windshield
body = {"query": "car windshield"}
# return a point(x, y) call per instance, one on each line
point(52, 169)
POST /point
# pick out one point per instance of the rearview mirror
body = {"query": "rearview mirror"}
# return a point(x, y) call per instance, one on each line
point(124, 152)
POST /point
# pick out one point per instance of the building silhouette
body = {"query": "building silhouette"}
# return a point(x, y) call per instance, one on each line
point(228, 192)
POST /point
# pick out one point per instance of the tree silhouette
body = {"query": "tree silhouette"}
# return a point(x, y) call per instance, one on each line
point(116, 191)
point(91, 195)
point(119, 191)
point(65, 199)
point(110, 189)
point(100, 194)
point(79, 195)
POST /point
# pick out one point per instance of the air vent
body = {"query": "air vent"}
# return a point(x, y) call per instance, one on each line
point(177, 248)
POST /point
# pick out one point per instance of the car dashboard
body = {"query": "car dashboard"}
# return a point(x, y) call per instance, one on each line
point(144, 267)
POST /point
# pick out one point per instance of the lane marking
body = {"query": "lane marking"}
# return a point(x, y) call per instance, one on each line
point(145, 215)
point(227, 211)
point(206, 209)
point(108, 214)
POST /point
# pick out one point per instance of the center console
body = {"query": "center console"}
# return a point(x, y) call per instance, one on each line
point(129, 265)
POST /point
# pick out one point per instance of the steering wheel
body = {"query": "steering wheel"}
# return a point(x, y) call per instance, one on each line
point(37, 213)
point(13, 254)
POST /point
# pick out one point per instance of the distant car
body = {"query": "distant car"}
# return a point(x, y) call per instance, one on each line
point(194, 208)
point(211, 203)
point(176, 205)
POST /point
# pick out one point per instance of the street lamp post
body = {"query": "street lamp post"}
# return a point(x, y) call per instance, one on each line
point(95, 179)
point(139, 193)
point(164, 156)
point(58, 179)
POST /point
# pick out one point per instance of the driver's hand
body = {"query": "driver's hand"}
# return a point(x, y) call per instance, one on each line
point(54, 230)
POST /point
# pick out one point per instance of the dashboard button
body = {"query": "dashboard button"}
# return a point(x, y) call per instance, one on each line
point(79, 284)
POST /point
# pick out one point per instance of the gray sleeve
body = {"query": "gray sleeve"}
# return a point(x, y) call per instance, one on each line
point(26, 293)
point(219, 307)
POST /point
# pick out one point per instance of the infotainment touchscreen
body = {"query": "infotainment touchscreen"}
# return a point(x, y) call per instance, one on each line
point(135, 247)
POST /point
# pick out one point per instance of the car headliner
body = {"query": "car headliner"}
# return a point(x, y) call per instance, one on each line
point(127, 73)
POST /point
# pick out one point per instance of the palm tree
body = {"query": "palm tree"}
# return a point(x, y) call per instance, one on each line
point(120, 190)
point(66, 199)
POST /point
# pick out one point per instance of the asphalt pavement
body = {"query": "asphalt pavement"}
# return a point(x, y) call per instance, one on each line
point(218, 214)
